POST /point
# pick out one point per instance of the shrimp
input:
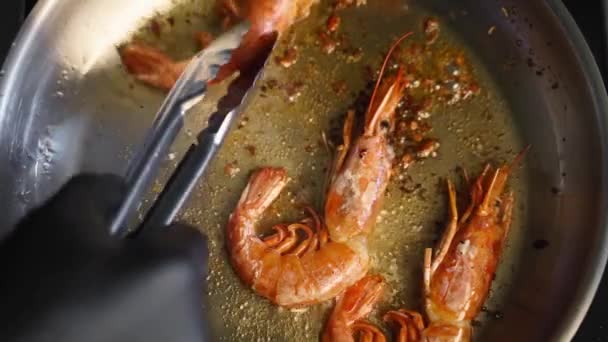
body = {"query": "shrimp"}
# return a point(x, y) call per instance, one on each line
point(458, 275)
point(362, 171)
point(351, 307)
point(294, 274)
point(267, 17)
point(155, 68)
point(277, 268)
point(151, 66)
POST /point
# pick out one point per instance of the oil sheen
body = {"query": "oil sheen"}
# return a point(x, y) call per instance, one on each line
point(284, 127)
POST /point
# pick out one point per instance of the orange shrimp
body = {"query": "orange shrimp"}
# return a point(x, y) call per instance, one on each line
point(351, 307)
point(362, 171)
point(282, 271)
point(267, 17)
point(151, 66)
point(155, 68)
point(457, 277)
point(294, 273)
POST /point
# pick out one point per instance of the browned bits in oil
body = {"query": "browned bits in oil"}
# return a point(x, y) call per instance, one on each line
point(243, 122)
point(429, 66)
point(438, 75)
point(340, 4)
point(203, 38)
point(272, 84)
point(251, 149)
point(231, 169)
point(354, 55)
point(333, 23)
point(328, 44)
point(171, 21)
point(407, 160)
point(339, 87)
point(155, 28)
point(293, 90)
point(431, 30)
point(428, 148)
point(289, 58)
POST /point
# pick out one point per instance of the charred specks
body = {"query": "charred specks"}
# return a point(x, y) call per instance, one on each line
point(251, 149)
point(410, 189)
point(540, 244)
point(431, 30)
point(530, 62)
point(333, 23)
point(385, 124)
point(339, 87)
point(155, 28)
point(495, 314)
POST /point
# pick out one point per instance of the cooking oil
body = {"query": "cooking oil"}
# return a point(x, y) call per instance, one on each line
point(284, 126)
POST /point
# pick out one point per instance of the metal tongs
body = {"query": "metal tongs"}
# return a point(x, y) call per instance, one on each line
point(189, 90)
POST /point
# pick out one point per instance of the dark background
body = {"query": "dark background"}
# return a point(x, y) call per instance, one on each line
point(589, 15)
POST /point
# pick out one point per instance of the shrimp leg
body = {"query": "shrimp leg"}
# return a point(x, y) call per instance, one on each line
point(352, 306)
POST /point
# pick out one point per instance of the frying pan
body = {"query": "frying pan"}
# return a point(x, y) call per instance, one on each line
point(65, 109)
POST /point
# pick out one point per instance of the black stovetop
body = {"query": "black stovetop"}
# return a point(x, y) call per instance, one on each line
point(588, 14)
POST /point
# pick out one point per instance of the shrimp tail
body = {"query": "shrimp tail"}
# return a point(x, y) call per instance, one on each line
point(263, 188)
point(353, 305)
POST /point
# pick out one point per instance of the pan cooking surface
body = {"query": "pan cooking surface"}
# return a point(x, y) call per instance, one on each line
point(284, 127)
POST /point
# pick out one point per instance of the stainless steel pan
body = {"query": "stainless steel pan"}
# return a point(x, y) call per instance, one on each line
point(67, 107)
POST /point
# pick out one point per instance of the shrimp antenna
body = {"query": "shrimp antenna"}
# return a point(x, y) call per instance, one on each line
point(386, 59)
point(518, 159)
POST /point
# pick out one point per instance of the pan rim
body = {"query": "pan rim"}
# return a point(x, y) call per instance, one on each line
point(591, 277)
